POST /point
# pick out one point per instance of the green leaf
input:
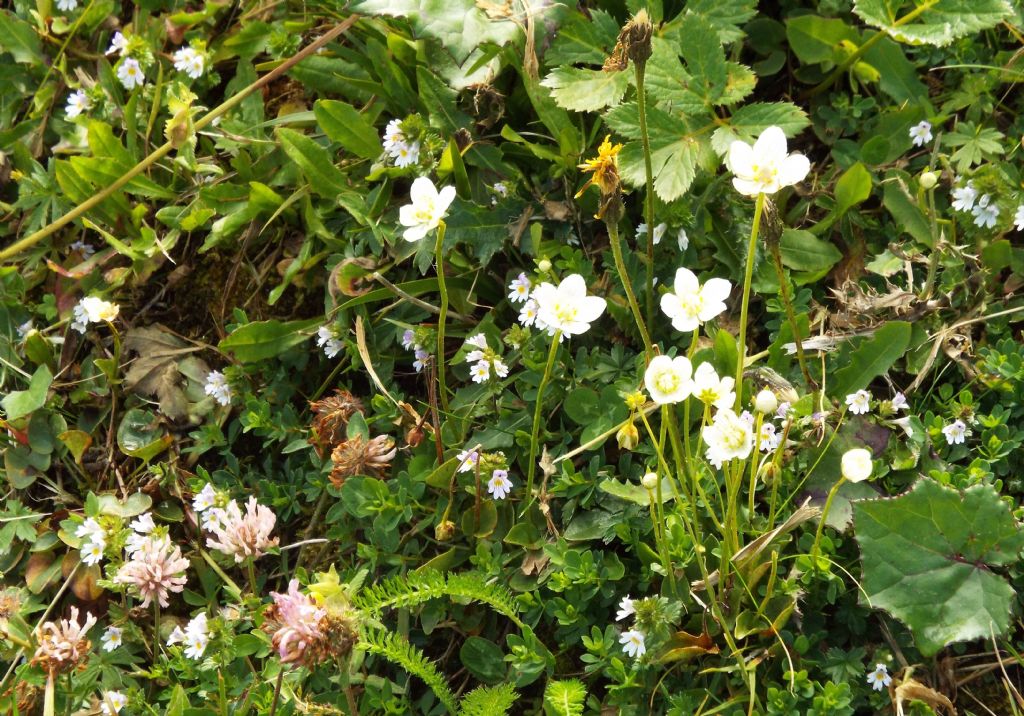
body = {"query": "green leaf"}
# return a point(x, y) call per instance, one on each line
point(726, 16)
point(803, 251)
point(752, 119)
point(488, 701)
point(939, 24)
point(583, 40)
point(927, 559)
point(705, 59)
point(637, 494)
point(586, 90)
point(565, 698)
point(178, 702)
point(816, 39)
point(483, 659)
point(260, 340)
point(19, 39)
point(906, 213)
point(347, 126)
point(324, 178)
point(872, 357)
point(853, 188)
point(19, 403)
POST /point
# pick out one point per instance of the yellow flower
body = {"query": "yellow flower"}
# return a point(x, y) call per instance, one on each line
point(605, 168)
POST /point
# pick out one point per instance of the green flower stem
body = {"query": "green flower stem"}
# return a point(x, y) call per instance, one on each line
point(686, 403)
point(658, 523)
point(754, 460)
point(251, 569)
point(787, 302)
point(156, 628)
point(535, 433)
point(441, 317)
point(645, 141)
point(821, 524)
point(620, 266)
point(741, 348)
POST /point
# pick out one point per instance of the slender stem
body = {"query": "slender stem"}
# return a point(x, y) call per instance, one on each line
point(442, 315)
point(251, 569)
point(824, 515)
point(277, 691)
point(787, 302)
point(49, 703)
point(156, 628)
point(741, 348)
point(754, 460)
point(620, 266)
point(658, 523)
point(535, 433)
point(645, 141)
point(933, 260)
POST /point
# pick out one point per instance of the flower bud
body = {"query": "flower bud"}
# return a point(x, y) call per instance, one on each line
point(628, 436)
point(766, 402)
point(928, 180)
point(543, 265)
point(650, 480)
point(857, 465)
point(444, 531)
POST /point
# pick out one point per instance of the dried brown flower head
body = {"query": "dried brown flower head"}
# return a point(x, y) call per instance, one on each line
point(359, 456)
point(304, 632)
point(633, 43)
point(64, 644)
point(332, 416)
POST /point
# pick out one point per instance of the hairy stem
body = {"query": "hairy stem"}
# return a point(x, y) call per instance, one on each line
point(442, 315)
point(645, 141)
point(620, 266)
point(535, 433)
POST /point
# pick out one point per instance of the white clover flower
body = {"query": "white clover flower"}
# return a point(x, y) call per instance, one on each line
point(856, 465)
point(626, 609)
point(1018, 218)
point(879, 679)
point(78, 102)
point(111, 638)
point(405, 155)
point(67, 5)
point(985, 212)
point(118, 44)
point(729, 437)
point(765, 167)
point(528, 313)
point(899, 402)
point(921, 133)
point(690, 304)
point(429, 206)
point(205, 498)
point(710, 389)
point(93, 309)
point(769, 439)
point(964, 197)
point(519, 289)
point(422, 358)
point(633, 643)
point(467, 460)
point(217, 386)
point(393, 136)
point(567, 308)
point(327, 338)
point(113, 702)
point(480, 371)
point(668, 380)
point(859, 402)
point(130, 73)
point(659, 232)
point(499, 485)
point(955, 432)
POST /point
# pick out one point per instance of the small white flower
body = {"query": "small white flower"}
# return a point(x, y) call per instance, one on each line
point(91, 531)
point(859, 402)
point(519, 289)
point(429, 206)
point(1018, 218)
point(111, 638)
point(500, 189)
point(729, 437)
point(217, 386)
point(143, 524)
point(467, 460)
point(528, 313)
point(422, 358)
point(86, 250)
point(205, 498)
point(765, 167)
point(690, 304)
point(500, 369)
point(24, 329)
point(409, 339)
point(93, 309)
point(327, 339)
point(92, 553)
point(682, 239)
point(567, 308)
point(477, 341)
point(130, 73)
point(480, 371)
point(633, 643)
point(393, 136)
point(406, 155)
point(182, 57)
point(710, 389)
point(625, 609)
point(769, 438)
point(113, 702)
point(879, 679)
point(668, 380)
point(196, 636)
point(856, 465)
point(176, 636)
point(118, 44)
point(921, 133)
point(196, 66)
point(955, 432)
point(659, 232)
point(67, 5)
point(899, 402)
point(499, 485)
point(964, 196)
point(985, 212)
point(78, 102)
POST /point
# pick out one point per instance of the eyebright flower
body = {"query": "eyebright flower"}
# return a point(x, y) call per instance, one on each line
point(765, 167)
point(499, 485)
point(67, 5)
point(567, 308)
point(1018, 218)
point(359, 456)
point(633, 643)
point(113, 702)
point(86, 250)
point(63, 644)
point(393, 136)
point(710, 389)
point(91, 530)
point(879, 679)
point(429, 206)
point(729, 437)
point(519, 289)
point(78, 102)
point(422, 359)
point(921, 133)
point(985, 212)
point(190, 61)
point(468, 460)
point(480, 372)
point(668, 379)
point(899, 402)
point(500, 189)
point(296, 622)
point(528, 313)
point(859, 402)
point(111, 638)
point(405, 155)
point(625, 609)
point(955, 432)
point(243, 536)
point(769, 439)
point(205, 498)
point(964, 197)
point(195, 636)
point(93, 309)
point(154, 570)
point(659, 232)
point(690, 304)
point(92, 553)
point(856, 465)
point(118, 44)
point(328, 339)
point(783, 412)
point(130, 73)
point(217, 386)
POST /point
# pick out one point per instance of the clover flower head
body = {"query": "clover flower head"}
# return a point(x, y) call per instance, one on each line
point(765, 167)
point(63, 644)
point(690, 304)
point(427, 209)
point(499, 485)
point(243, 536)
point(296, 620)
point(921, 133)
point(633, 643)
point(155, 570)
point(859, 403)
point(879, 679)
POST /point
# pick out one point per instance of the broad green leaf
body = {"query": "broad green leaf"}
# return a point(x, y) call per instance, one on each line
point(938, 24)
point(265, 339)
point(140, 435)
point(637, 494)
point(899, 76)
point(705, 59)
point(483, 229)
point(583, 40)
point(803, 251)
point(816, 39)
point(19, 39)
point(906, 213)
point(727, 17)
point(586, 90)
point(19, 403)
point(324, 178)
point(853, 188)
point(344, 124)
point(483, 659)
point(927, 559)
point(871, 358)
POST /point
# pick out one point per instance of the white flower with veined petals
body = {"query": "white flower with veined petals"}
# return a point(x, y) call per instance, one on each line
point(196, 637)
point(626, 609)
point(196, 66)
point(566, 308)
point(633, 643)
point(899, 402)
point(143, 524)
point(328, 339)
point(765, 167)
point(393, 135)
point(111, 638)
point(67, 5)
point(955, 432)
point(477, 341)
point(769, 438)
point(879, 679)
point(422, 359)
point(682, 239)
point(499, 485)
point(92, 553)
point(405, 155)
point(217, 386)
point(205, 498)
point(1018, 218)
point(130, 73)
point(91, 531)
point(528, 313)
point(409, 339)
point(500, 369)
point(93, 309)
point(668, 379)
point(467, 460)
point(729, 437)
point(429, 206)
point(964, 197)
point(710, 389)
point(859, 402)
point(519, 289)
point(690, 304)
point(118, 44)
point(659, 232)
point(921, 133)
point(480, 371)
point(182, 57)
point(985, 212)
point(176, 636)
point(113, 702)
point(78, 102)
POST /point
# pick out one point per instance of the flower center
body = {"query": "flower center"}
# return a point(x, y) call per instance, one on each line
point(565, 313)
point(667, 382)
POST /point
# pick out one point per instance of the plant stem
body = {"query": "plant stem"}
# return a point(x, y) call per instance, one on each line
point(645, 141)
point(156, 628)
point(535, 433)
point(824, 515)
point(250, 565)
point(620, 266)
point(741, 348)
point(441, 316)
point(277, 691)
point(787, 302)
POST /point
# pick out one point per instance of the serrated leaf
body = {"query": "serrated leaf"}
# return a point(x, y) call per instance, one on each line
point(705, 59)
point(584, 40)
point(585, 90)
point(871, 358)
point(927, 559)
point(939, 24)
point(726, 16)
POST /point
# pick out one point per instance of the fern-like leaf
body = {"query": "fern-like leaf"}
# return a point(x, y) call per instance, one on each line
point(397, 649)
point(418, 587)
point(565, 698)
point(488, 701)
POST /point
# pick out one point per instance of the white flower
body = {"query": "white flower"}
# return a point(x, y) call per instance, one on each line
point(921, 133)
point(500, 189)
point(189, 61)
point(985, 212)
point(143, 524)
point(477, 341)
point(765, 167)
point(1018, 218)
point(91, 531)
point(78, 102)
point(393, 136)
point(118, 44)
point(217, 386)
point(406, 155)
point(480, 371)
point(633, 643)
point(528, 313)
point(429, 206)
point(668, 379)
point(691, 304)
point(766, 402)
point(955, 432)
point(327, 339)
point(113, 702)
point(859, 402)
point(92, 553)
point(500, 369)
point(195, 637)
point(176, 636)
point(205, 498)
point(25, 328)
point(130, 73)
point(467, 460)
point(659, 232)
point(879, 678)
point(964, 196)
point(856, 465)
point(768, 439)
point(729, 437)
point(93, 309)
point(625, 609)
point(111, 638)
point(710, 389)
point(499, 485)
point(682, 239)
point(422, 358)
point(567, 307)
point(67, 5)
point(783, 412)
point(519, 289)
point(409, 339)
point(182, 58)
point(899, 402)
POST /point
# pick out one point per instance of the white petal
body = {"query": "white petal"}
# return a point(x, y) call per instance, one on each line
point(591, 308)
point(793, 169)
point(407, 216)
point(415, 233)
point(573, 286)
point(740, 158)
point(422, 190)
point(770, 147)
point(747, 187)
point(445, 197)
point(686, 283)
